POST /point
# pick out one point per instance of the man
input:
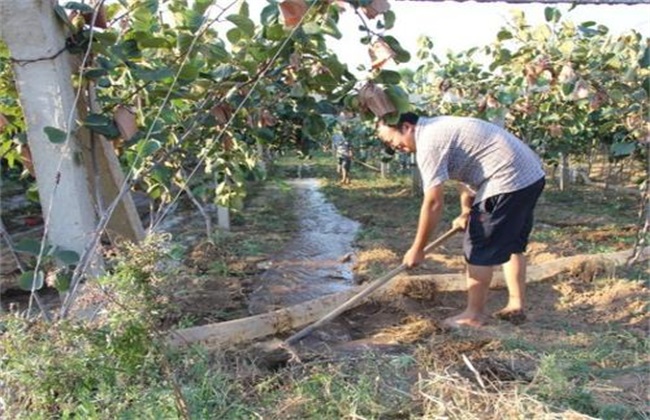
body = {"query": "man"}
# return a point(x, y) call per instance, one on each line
point(343, 149)
point(501, 179)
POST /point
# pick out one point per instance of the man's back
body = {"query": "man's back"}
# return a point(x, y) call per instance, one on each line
point(478, 153)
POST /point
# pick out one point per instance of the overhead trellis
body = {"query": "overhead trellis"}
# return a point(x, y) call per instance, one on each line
point(573, 2)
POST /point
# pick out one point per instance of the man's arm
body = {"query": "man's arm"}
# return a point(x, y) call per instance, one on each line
point(430, 212)
point(466, 201)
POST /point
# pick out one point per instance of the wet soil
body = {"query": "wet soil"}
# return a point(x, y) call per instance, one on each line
point(316, 262)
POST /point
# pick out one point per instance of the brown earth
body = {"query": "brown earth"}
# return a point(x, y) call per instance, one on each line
point(588, 299)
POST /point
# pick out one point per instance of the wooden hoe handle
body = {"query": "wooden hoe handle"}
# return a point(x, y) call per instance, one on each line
point(365, 292)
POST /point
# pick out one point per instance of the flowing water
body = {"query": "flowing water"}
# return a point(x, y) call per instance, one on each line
point(317, 262)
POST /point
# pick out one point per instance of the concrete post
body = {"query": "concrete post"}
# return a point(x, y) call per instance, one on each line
point(43, 73)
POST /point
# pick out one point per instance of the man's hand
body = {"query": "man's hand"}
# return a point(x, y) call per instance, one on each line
point(413, 257)
point(460, 223)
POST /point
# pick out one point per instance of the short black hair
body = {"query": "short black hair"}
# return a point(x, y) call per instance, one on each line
point(406, 117)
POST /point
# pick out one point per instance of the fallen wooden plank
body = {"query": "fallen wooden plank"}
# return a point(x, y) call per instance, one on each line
point(286, 319)
point(538, 272)
point(276, 322)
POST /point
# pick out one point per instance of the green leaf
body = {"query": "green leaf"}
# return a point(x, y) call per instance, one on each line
point(190, 71)
point(246, 25)
point(152, 75)
point(62, 282)
point(504, 34)
point(311, 28)
point(104, 82)
point(567, 88)
point(201, 6)
point(330, 28)
point(269, 15)
point(30, 280)
point(622, 149)
point(234, 35)
point(548, 13)
point(398, 97)
point(325, 107)
point(552, 14)
point(55, 135)
point(219, 53)
point(223, 71)
point(28, 246)
point(389, 19)
point(388, 77)
point(128, 49)
point(274, 32)
point(102, 124)
point(67, 257)
point(146, 41)
point(244, 10)
point(75, 5)
point(402, 56)
point(148, 148)
point(105, 63)
point(63, 17)
point(265, 134)
point(94, 73)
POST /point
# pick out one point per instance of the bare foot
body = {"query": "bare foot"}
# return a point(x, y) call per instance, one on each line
point(514, 316)
point(464, 320)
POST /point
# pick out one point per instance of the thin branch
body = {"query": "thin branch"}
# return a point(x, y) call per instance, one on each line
point(474, 371)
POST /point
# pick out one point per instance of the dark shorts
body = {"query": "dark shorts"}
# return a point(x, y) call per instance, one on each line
point(345, 163)
point(499, 226)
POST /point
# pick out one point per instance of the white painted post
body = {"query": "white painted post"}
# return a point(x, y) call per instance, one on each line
point(43, 74)
point(564, 171)
point(384, 169)
point(223, 217)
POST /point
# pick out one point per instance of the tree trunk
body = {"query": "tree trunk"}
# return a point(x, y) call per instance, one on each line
point(43, 74)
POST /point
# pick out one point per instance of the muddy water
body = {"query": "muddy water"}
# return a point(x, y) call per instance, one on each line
point(314, 264)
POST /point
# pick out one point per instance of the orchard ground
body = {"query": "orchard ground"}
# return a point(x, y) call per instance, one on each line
point(583, 351)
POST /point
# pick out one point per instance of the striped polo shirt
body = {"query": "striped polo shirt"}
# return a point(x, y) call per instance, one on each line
point(480, 154)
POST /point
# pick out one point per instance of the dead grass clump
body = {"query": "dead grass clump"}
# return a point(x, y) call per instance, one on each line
point(371, 263)
point(203, 255)
point(446, 350)
point(411, 330)
point(414, 288)
point(589, 269)
point(455, 397)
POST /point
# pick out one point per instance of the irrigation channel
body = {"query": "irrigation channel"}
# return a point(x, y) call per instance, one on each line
point(318, 260)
